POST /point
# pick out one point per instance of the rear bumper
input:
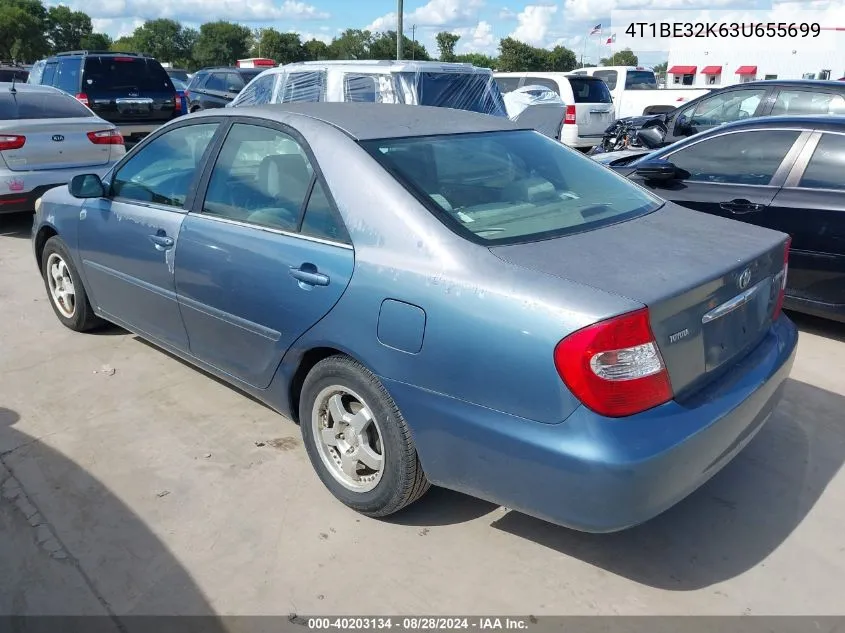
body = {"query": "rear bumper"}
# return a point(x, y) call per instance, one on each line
point(592, 473)
point(22, 202)
point(569, 136)
point(20, 189)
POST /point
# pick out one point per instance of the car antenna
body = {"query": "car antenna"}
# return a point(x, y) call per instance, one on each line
point(13, 90)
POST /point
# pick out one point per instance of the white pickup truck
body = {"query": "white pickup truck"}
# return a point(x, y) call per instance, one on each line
point(635, 92)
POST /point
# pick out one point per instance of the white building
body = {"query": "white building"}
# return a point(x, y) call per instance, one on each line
point(723, 62)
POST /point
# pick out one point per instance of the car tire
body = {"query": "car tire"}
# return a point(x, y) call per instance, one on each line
point(64, 288)
point(387, 474)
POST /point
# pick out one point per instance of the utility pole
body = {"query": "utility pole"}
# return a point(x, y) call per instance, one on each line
point(414, 41)
point(399, 10)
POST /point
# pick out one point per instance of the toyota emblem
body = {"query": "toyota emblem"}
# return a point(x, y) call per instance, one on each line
point(58, 138)
point(744, 279)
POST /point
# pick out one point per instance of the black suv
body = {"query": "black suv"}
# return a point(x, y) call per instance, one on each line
point(215, 87)
point(9, 72)
point(123, 88)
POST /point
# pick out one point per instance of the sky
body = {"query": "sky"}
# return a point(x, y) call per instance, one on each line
point(480, 23)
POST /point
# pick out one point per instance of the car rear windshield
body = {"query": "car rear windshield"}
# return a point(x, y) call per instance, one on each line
point(506, 187)
point(40, 105)
point(119, 74)
point(640, 80)
point(590, 90)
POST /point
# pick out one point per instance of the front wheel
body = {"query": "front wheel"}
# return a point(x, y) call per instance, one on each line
point(65, 289)
point(357, 439)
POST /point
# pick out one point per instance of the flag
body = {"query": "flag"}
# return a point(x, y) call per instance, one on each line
point(611, 39)
point(596, 29)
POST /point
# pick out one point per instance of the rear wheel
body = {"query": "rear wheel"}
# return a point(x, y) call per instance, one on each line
point(357, 439)
point(65, 289)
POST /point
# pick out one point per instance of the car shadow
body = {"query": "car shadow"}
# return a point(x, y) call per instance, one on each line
point(16, 225)
point(818, 326)
point(733, 522)
point(71, 547)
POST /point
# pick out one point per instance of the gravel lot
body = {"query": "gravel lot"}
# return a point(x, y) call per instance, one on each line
point(157, 489)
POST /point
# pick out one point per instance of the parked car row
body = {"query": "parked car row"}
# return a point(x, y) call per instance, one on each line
point(452, 300)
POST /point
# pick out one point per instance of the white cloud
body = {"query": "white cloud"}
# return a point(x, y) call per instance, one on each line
point(507, 14)
point(443, 13)
point(477, 39)
point(116, 27)
point(322, 36)
point(535, 21)
point(201, 10)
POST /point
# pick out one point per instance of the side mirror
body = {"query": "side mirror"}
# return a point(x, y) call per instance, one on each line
point(683, 125)
point(656, 169)
point(86, 186)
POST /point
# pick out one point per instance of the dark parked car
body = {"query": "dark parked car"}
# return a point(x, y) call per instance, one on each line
point(437, 296)
point(123, 88)
point(16, 73)
point(178, 73)
point(749, 100)
point(215, 87)
point(783, 173)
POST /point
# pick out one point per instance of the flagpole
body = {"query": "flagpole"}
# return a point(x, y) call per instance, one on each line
point(584, 49)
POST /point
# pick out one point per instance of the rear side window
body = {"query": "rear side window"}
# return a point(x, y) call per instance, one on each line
point(303, 87)
point(234, 82)
point(120, 74)
point(827, 166)
point(507, 84)
point(49, 74)
point(504, 187)
point(41, 105)
point(361, 88)
point(216, 81)
point(806, 102)
point(609, 77)
point(590, 90)
point(551, 84)
point(197, 81)
point(67, 75)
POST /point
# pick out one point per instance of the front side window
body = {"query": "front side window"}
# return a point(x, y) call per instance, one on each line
point(261, 176)
point(49, 74)
point(234, 82)
point(744, 158)
point(163, 171)
point(826, 169)
point(259, 91)
point(216, 81)
point(505, 187)
point(726, 107)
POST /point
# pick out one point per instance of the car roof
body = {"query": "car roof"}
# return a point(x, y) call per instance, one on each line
point(803, 83)
point(369, 121)
point(379, 66)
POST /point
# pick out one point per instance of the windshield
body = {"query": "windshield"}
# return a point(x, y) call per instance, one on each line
point(125, 73)
point(40, 105)
point(476, 92)
point(505, 187)
point(640, 80)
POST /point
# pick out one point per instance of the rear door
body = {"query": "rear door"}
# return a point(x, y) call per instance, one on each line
point(810, 208)
point(792, 101)
point(262, 256)
point(128, 89)
point(593, 105)
point(734, 175)
point(724, 107)
point(56, 129)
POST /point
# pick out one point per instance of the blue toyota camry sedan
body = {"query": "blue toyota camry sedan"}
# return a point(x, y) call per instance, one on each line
point(436, 297)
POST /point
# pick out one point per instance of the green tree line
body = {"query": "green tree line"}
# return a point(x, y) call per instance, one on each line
point(29, 31)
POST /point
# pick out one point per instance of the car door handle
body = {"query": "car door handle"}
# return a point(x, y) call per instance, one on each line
point(308, 274)
point(739, 207)
point(161, 242)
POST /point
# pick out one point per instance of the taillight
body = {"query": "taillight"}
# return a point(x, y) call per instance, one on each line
point(177, 102)
point(614, 367)
point(82, 98)
point(569, 117)
point(106, 137)
point(11, 141)
point(783, 275)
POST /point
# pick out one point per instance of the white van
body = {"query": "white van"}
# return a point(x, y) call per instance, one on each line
point(589, 106)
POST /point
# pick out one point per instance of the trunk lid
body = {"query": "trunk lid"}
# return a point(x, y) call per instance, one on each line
point(56, 144)
point(711, 285)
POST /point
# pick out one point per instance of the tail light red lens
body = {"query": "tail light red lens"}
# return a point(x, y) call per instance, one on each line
point(783, 274)
point(614, 367)
point(11, 141)
point(177, 102)
point(569, 116)
point(106, 137)
point(83, 99)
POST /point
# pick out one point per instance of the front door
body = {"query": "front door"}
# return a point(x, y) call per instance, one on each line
point(712, 111)
point(810, 208)
point(734, 175)
point(262, 257)
point(127, 240)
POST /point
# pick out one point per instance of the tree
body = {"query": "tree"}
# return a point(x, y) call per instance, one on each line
point(125, 44)
point(351, 44)
point(66, 28)
point(284, 48)
point(221, 43)
point(477, 59)
point(164, 39)
point(21, 35)
point(316, 51)
point(383, 46)
point(516, 56)
point(96, 42)
point(660, 69)
point(446, 45)
point(625, 57)
point(561, 59)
